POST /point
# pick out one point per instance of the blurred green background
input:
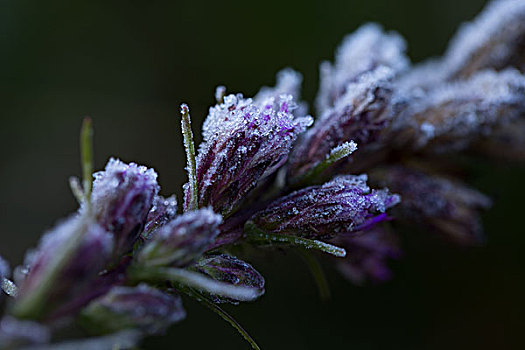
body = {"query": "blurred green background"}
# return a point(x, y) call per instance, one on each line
point(129, 64)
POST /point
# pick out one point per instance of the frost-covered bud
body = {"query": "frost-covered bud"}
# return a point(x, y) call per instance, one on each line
point(86, 260)
point(143, 307)
point(15, 333)
point(362, 51)
point(452, 115)
point(493, 40)
point(443, 205)
point(229, 269)
point(367, 255)
point(359, 115)
point(243, 142)
point(162, 211)
point(288, 83)
point(181, 240)
point(342, 205)
point(122, 198)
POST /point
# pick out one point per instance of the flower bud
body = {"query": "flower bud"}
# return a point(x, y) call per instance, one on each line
point(162, 211)
point(367, 255)
point(450, 116)
point(229, 269)
point(143, 307)
point(342, 205)
point(244, 142)
point(181, 240)
point(360, 52)
point(122, 198)
point(86, 260)
point(493, 40)
point(443, 205)
point(359, 115)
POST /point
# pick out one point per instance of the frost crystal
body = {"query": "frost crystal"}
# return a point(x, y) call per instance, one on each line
point(452, 115)
point(446, 206)
point(182, 240)
point(162, 211)
point(122, 198)
point(229, 269)
point(359, 115)
point(364, 50)
point(343, 205)
point(141, 307)
point(244, 142)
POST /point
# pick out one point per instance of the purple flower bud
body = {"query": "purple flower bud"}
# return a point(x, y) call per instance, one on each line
point(452, 115)
point(15, 333)
point(362, 51)
point(359, 115)
point(162, 211)
point(142, 307)
point(182, 240)
point(122, 198)
point(440, 204)
point(342, 205)
point(244, 142)
point(229, 269)
point(367, 255)
point(493, 40)
point(88, 258)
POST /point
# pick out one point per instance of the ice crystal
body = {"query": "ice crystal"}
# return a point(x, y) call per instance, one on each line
point(162, 211)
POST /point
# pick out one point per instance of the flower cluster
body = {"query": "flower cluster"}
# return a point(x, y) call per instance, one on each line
point(266, 175)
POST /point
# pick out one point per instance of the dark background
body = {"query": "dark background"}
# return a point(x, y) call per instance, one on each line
point(129, 64)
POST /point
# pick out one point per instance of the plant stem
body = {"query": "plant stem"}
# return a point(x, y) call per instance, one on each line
point(189, 146)
point(86, 153)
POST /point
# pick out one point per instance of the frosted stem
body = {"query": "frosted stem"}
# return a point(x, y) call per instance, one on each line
point(86, 152)
point(256, 235)
point(335, 155)
point(190, 155)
